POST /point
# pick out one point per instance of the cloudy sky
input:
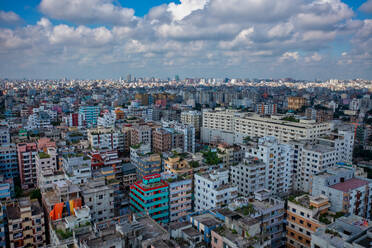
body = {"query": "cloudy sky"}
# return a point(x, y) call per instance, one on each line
point(303, 39)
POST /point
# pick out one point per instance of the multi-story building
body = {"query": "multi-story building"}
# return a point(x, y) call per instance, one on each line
point(150, 195)
point(305, 214)
point(145, 162)
point(9, 161)
point(77, 167)
point(26, 223)
point(266, 108)
point(2, 227)
point(6, 189)
point(75, 120)
point(278, 160)
point(309, 159)
point(27, 164)
point(99, 198)
point(46, 166)
point(296, 102)
point(230, 155)
point(193, 118)
point(320, 115)
point(213, 190)
point(188, 132)
point(107, 120)
point(103, 138)
point(232, 127)
point(90, 114)
point(347, 193)
point(141, 135)
point(161, 140)
point(177, 165)
point(38, 120)
point(4, 135)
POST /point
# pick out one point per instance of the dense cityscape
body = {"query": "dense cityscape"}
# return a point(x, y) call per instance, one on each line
point(144, 162)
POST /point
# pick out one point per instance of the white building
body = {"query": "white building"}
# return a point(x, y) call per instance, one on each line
point(39, 120)
point(103, 138)
point(355, 104)
point(107, 120)
point(46, 165)
point(188, 132)
point(193, 118)
point(213, 190)
point(278, 166)
point(77, 168)
point(232, 127)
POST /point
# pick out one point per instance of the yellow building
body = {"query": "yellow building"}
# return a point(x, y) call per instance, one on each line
point(296, 102)
point(177, 165)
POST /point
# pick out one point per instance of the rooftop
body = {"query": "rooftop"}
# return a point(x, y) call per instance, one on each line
point(350, 184)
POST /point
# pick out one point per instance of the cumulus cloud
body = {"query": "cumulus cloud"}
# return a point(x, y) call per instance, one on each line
point(9, 18)
point(202, 36)
point(87, 11)
point(367, 7)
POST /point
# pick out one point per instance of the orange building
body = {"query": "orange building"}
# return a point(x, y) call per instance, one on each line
point(295, 102)
point(305, 214)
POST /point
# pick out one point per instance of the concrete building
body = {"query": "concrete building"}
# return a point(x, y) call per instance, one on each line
point(193, 118)
point(141, 135)
point(145, 162)
point(107, 120)
point(90, 114)
point(305, 214)
point(99, 198)
point(2, 227)
point(26, 223)
point(278, 160)
point(266, 108)
point(27, 164)
point(9, 161)
point(150, 196)
point(39, 120)
point(188, 132)
point(4, 135)
point(342, 233)
point(295, 102)
point(161, 140)
point(230, 155)
point(77, 167)
point(103, 138)
point(75, 120)
point(347, 193)
point(309, 159)
point(232, 127)
point(213, 190)
point(46, 166)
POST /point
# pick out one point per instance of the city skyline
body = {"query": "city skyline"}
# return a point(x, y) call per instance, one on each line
point(207, 38)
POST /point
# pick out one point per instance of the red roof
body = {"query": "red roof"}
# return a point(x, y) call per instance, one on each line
point(350, 184)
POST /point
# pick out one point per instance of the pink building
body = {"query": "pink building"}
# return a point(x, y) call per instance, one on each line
point(44, 143)
point(27, 165)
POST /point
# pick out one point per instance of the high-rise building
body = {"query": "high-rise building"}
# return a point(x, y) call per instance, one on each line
point(145, 162)
point(141, 135)
point(150, 196)
point(4, 134)
point(193, 118)
point(213, 190)
point(46, 166)
point(26, 223)
point(232, 127)
point(161, 140)
point(90, 114)
point(9, 161)
point(103, 138)
point(27, 164)
point(2, 227)
point(295, 102)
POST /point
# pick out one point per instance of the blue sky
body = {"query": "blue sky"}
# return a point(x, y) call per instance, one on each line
point(304, 39)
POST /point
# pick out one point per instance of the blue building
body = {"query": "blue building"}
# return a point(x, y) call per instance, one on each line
point(9, 161)
point(90, 113)
point(6, 189)
point(4, 135)
point(2, 227)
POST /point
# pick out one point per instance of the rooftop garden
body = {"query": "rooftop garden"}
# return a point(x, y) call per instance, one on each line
point(290, 118)
point(211, 158)
point(63, 234)
point(194, 164)
point(136, 146)
point(43, 155)
point(246, 210)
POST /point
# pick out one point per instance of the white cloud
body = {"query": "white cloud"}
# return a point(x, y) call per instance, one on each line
point(185, 8)
point(9, 18)
point(366, 7)
point(316, 57)
point(87, 11)
point(289, 56)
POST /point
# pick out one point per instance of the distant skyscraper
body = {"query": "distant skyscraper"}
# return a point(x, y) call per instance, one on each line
point(177, 78)
point(129, 78)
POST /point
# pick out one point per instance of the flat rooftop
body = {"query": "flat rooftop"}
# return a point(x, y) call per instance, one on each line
point(350, 184)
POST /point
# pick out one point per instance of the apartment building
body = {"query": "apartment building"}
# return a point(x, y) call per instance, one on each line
point(150, 195)
point(107, 119)
point(278, 160)
point(305, 214)
point(77, 167)
point(74, 120)
point(309, 159)
point(212, 189)
point(99, 197)
point(27, 164)
point(2, 227)
point(161, 140)
point(103, 138)
point(26, 223)
point(232, 127)
point(346, 193)
point(9, 161)
point(141, 135)
point(90, 114)
point(193, 118)
point(46, 166)
point(177, 165)
point(266, 108)
point(145, 162)
point(4, 134)
point(295, 102)
point(230, 155)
